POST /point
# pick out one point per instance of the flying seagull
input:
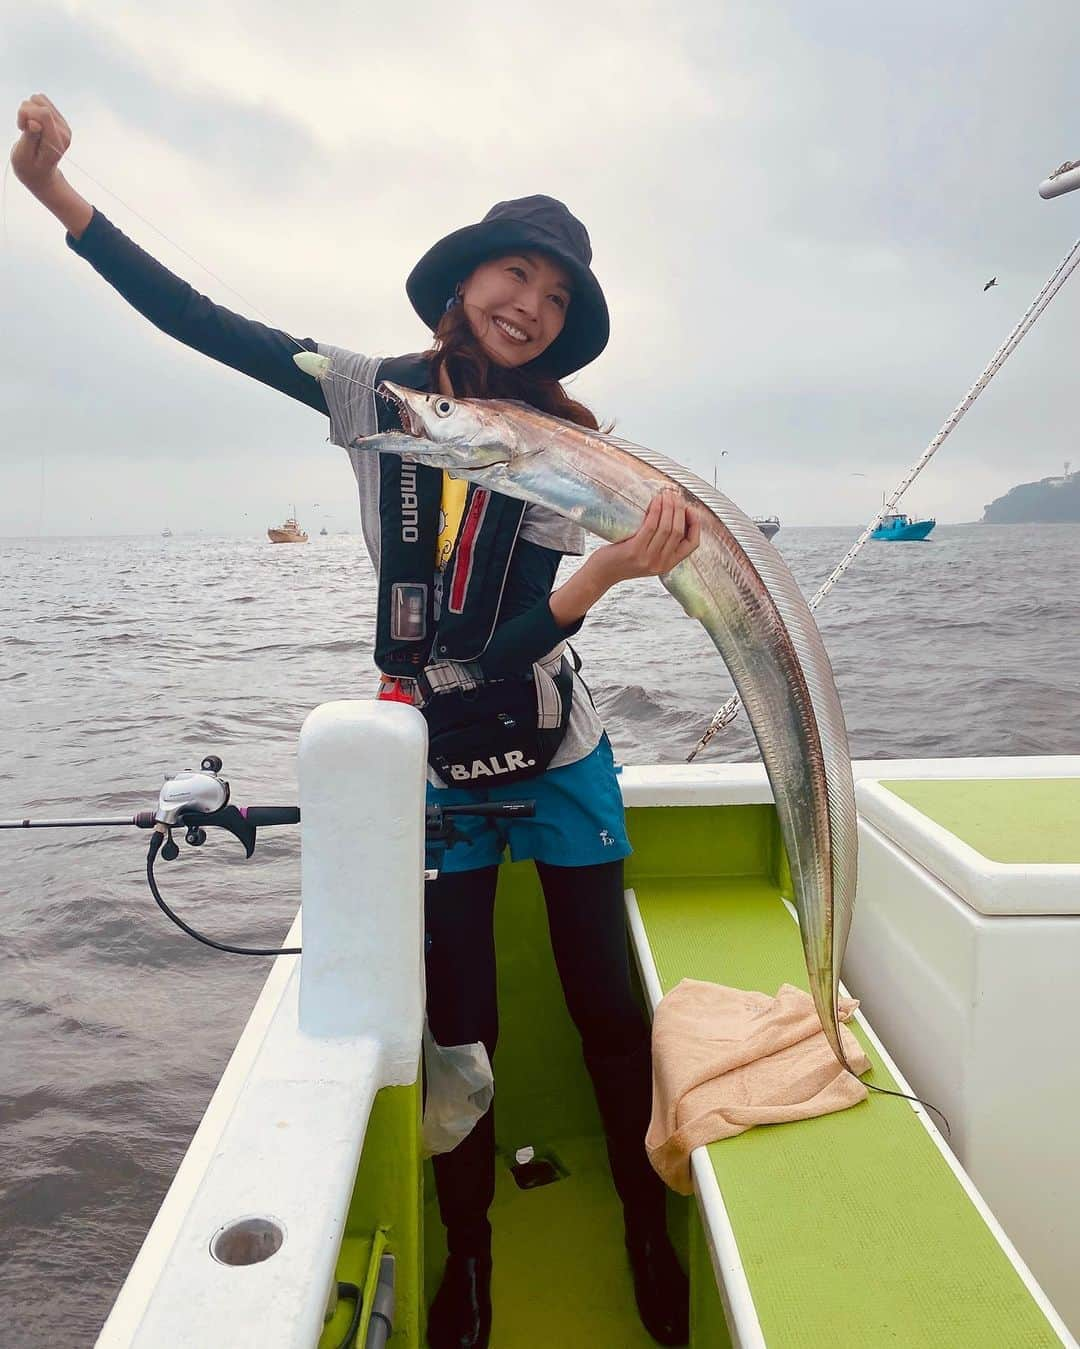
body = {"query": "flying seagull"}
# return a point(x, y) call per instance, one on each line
point(991, 282)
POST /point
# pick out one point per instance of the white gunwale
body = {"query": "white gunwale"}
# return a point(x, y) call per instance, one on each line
point(260, 1150)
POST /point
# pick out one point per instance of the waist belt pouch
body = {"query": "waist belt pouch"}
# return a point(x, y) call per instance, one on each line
point(505, 730)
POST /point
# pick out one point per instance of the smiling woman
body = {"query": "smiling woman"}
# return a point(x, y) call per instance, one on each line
point(469, 625)
point(498, 324)
point(517, 305)
point(514, 306)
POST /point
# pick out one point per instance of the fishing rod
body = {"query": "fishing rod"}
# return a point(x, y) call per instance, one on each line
point(1065, 178)
point(194, 801)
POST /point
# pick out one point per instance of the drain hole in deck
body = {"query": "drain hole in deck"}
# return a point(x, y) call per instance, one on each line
point(248, 1241)
point(530, 1171)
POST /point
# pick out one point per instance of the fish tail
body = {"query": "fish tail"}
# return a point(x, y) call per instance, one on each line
point(918, 1100)
point(831, 1027)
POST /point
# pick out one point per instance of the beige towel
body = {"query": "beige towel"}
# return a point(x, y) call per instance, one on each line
point(725, 1059)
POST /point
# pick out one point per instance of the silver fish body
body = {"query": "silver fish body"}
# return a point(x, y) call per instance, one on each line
point(735, 584)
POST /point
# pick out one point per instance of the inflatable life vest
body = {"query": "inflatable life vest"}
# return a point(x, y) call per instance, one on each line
point(426, 613)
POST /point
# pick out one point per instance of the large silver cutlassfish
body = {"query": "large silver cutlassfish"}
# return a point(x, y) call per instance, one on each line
point(735, 584)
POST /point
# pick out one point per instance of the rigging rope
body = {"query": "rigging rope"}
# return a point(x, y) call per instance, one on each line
point(730, 709)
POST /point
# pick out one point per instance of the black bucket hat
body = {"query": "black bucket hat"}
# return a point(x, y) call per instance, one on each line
point(529, 223)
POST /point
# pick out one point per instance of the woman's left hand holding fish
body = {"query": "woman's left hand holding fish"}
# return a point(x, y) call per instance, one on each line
point(668, 534)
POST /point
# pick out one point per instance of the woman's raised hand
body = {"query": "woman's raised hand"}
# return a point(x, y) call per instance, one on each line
point(35, 157)
point(44, 139)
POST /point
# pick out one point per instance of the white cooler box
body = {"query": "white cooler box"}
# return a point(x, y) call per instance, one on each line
point(965, 954)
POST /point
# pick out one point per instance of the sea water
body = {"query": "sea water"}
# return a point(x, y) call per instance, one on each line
point(124, 658)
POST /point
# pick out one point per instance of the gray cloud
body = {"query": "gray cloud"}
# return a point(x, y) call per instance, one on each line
point(262, 147)
point(793, 208)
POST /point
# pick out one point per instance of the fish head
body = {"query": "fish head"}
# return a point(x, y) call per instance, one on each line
point(458, 434)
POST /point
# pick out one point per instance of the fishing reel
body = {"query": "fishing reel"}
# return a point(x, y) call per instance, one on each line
point(195, 801)
point(203, 792)
point(192, 801)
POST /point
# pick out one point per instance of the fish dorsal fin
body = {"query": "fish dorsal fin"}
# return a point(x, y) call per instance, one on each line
point(807, 641)
point(801, 629)
point(705, 492)
point(669, 467)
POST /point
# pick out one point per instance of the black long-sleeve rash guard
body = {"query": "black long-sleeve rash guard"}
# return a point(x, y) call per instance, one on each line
point(526, 628)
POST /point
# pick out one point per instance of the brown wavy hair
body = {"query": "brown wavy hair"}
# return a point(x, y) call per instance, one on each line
point(473, 374)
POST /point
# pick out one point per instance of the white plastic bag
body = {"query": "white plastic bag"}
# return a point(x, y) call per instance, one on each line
point(460, 1087)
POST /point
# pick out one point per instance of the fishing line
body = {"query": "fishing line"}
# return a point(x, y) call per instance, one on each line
point(884, 1091)
point(62, 154)
point(346, 379)
point(155, 848)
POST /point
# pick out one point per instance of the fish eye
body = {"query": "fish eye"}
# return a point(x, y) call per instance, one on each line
point(443, 407)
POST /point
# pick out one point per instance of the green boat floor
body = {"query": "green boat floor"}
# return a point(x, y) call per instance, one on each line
point(852, 1229)
point(560, 1272)
point(1033, 820)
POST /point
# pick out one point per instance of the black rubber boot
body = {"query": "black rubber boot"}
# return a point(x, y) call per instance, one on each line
point(623, 1084)
point(460, 1316)
point(661, 1289)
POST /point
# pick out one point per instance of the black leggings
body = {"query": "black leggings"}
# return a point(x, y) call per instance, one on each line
point(588, 939)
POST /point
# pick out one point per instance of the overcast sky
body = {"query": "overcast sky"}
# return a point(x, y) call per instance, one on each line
point(794, 207)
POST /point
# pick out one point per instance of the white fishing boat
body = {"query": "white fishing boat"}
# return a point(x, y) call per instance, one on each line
point(768, 524)
point(303, 1213)
point(305, 1181)
point(288, 532)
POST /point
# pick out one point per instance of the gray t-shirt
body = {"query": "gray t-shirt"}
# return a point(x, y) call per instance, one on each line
point(353, 412)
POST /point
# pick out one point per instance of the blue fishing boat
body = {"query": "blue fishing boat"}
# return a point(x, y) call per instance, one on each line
point(901, 528)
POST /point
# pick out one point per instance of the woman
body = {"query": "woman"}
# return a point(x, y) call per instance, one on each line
point(467, 612)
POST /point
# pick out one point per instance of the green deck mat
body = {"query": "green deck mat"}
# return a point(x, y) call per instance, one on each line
point(852, 1229)
point(561, 1275)
point(1005, 819)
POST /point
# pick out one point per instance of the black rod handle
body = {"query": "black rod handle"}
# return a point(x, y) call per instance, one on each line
point(505, 809)
point(261, 816)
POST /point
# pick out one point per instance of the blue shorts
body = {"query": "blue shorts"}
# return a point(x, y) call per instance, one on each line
point(578, 822)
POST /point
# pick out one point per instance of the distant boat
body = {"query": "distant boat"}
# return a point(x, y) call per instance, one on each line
point(768, 524)
point(166, 533)
point(323, 530)
point(289, 532)
point(902, 529)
